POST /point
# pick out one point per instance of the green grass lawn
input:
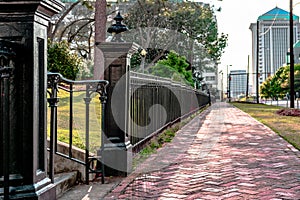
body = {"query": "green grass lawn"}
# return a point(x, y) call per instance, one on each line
point(287, 127)
point(79, 122)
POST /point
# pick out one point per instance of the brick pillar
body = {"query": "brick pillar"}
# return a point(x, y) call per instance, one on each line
point(23, 30)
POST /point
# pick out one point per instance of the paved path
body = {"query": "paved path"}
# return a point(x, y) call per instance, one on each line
point(222, 154)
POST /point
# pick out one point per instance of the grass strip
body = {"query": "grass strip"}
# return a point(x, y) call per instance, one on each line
point(288, 127)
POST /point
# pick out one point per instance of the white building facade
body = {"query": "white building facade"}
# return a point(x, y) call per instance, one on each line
point(273, 43)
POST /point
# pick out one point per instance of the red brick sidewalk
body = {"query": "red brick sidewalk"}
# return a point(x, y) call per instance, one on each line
point(222, 154)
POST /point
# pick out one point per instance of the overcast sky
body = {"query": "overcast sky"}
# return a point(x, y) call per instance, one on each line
point(235, 19)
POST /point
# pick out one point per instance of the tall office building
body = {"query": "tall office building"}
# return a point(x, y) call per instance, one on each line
point(237, 83)
point(273, 43)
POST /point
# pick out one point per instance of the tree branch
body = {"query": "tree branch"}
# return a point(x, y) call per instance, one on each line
point(52, 34)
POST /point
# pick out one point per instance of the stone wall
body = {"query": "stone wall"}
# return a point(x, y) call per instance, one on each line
point(62, 164)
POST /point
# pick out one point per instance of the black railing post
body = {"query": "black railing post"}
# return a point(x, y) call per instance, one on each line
point(52, 100)
point(103, 99)
point(71, 121)
point(209, 99)
point(87, 101)
point(57, 82)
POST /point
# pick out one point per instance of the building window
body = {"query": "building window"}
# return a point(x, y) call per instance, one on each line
point(210, 78)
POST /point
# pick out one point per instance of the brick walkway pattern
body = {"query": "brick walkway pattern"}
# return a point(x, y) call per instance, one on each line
point(221, 154)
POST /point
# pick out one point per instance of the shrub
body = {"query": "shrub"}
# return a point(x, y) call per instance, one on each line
point(62, 60)
point(289, 112)
point(174, 67)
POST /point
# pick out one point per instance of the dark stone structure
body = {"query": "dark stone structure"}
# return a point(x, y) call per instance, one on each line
point(117, 153)
point(23, 52)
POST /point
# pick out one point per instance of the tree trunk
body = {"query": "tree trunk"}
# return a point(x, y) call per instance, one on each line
point(100, 36)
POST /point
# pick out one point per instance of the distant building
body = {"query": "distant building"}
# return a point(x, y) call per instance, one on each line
point(237, 83)
point(297, 52)
point(210, 78)
point(273, 43)
point(69, 1)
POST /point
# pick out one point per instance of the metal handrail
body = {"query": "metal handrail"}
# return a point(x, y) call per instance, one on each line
point(56, 82)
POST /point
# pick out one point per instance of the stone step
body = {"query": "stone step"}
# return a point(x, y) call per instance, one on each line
point(65, 181)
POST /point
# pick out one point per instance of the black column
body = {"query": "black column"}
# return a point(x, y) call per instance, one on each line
point(23, 30)
point(117, 152)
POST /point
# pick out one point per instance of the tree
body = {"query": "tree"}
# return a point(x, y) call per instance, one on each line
point(297, 79)
point(62, 60)
point(82, 24)
point(150, 57)
point(75, 25)
point(185, 27)
point(100, 36)
point(174, 67)
point(266, 89)
point(277, 86)
point(198, 22)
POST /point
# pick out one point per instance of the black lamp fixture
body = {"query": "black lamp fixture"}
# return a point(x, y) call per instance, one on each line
point(117, 28)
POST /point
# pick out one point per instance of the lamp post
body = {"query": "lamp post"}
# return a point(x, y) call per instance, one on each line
point(117, 28)
point(221, 72)
point(143, 53)
point(247, 87)
point(228, 88)
point(197, 79)
point(257, 62)
point(229, 95)
point(292, 89)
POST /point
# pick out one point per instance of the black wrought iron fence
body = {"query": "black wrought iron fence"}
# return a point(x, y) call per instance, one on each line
point(156, 103)
point(70, 118)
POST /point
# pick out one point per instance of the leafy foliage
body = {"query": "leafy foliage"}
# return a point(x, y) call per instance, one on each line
point(278, 86)
point(194, 20)
point(62, 60)
point(174, 67)
point(198, 23)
